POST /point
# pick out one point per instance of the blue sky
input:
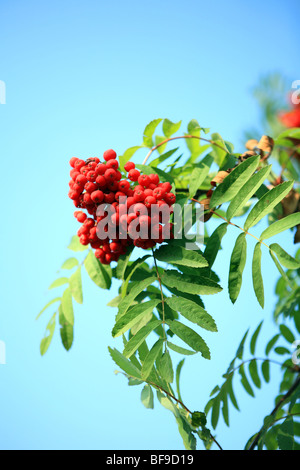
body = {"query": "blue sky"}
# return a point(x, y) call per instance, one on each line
point(82, 77)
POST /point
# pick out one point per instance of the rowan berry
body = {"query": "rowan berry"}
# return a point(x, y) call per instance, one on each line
point(100, 169)
point(73, 161)
point(144, 180)
point(97, 196)
point(109, 155)
point(110, 174)
point(133, 175)
point(129, 166)
point(112, 164)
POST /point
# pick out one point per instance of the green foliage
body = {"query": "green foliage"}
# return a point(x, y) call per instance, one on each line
point(161, 290)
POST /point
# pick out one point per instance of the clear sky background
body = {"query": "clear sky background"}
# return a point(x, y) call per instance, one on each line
point(82, 77)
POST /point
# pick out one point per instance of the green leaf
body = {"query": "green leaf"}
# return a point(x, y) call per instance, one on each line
point(154, 163)
point(133, 316)
point(149, 131)
point(70, 263)
point(258, 283)
point(170, 128)
point(128, 154)
point(100, 274)
point(215, 412)
point(178, 373)
point(271, 344)
point(75, 245)
point(148, 170)
point(67, 306)
point(46, 341)
point(254, 338)
point(278, 266)
point(245, 382)
point(123, 263)
point(58, 299)
point(130, 271)
point(246, 192)
point(134, 292)
point(285, 437)
point(192, 312)
point(140, 336)
point(214, 243)
point(237, 265)
point(76, 286)
point(66, 331)
point(165, 367)
point(198, 419)
point(190, 337)
point(180, 350)
point(199, 174)
point(253, 371)
point(147, 397)
point(266, 203)
point(150, 359)
point(184, 283)
point(59, 282)
point(180, 256)
point(265, 369)
point(281, 225)
point(284, 258)
point(287, 334)
point(240, 350)
point(124, 363)
point(232, 184)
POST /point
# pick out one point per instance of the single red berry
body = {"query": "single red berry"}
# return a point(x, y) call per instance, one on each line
point(115, 247)
point(148, 192)
point(115, 218)
point(149, 201)
point(91, 176)
point(109, 155)
point(79, 164)
point(74, 174)
point(139, 196)
point(130, 201)
point(166, 186)
point(99, 253)
point(81, 180)
point(73, 161)
point(133, 175)
point(113, 164)
point(97, 196)
point(124, 186)
point(113, 185)
point(154, 178)
point(87, 199)
point(73, 194)
point(81, 217)
point(170, 198)
point(159, 193)
point(110, 174)
point(101, 169)
point(129, 166)
point(101, 181)
point(109, 198)
point(90, 223)
point(84, 240)
point(90, 187)
point(119, 195)
point(144, 180)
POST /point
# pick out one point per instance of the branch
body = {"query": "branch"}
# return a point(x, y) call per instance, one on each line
point(182, 137)
point(279, 405)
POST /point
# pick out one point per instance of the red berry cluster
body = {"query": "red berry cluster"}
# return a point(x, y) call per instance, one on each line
point(94, 183)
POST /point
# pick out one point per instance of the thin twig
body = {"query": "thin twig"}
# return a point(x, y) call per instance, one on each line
point(279, 405)
point(182, 137)
point(183, 405)
point(162, 294)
